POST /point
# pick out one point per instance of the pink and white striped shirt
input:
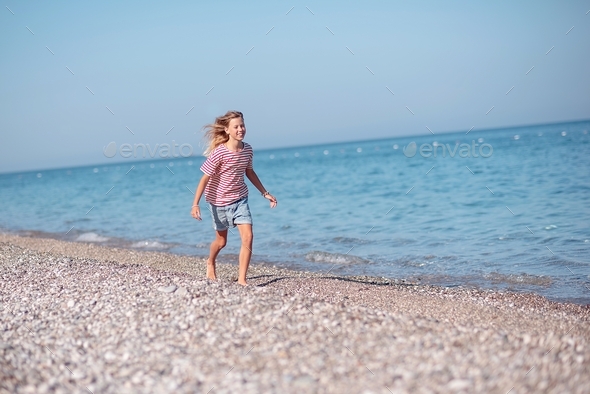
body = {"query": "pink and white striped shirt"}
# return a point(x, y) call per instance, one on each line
point(226, 170)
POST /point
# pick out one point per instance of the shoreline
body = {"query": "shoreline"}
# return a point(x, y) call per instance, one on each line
point(259, 275)
point(495, 285)
point(138, 321)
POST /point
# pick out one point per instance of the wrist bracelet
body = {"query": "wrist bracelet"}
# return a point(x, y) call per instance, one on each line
point(265, 193)
point(195, 206)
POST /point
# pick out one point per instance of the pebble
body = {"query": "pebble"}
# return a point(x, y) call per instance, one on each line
point(288, 331)
point(458, 385)
point(167, 289)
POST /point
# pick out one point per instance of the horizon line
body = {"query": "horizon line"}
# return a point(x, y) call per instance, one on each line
point(307, 146)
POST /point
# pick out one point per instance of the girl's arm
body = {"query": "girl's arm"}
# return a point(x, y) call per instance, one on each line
point(256, 182)
point(196, 210)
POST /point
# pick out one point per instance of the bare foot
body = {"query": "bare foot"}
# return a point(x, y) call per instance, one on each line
point(243, 283)
point(211, 271)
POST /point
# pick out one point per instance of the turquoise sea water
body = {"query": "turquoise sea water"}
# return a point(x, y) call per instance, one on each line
point(518, 219)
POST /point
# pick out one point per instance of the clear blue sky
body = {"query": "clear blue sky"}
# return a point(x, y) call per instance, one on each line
point(150, 63)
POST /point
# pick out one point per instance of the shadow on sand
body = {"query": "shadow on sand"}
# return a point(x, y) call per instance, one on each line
point(367, 281)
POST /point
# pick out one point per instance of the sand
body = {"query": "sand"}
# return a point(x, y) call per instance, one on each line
point(79, 317)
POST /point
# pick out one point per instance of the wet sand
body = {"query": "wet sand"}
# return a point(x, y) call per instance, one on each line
point(80, 317)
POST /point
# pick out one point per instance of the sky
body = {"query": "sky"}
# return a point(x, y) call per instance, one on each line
point(78, 76)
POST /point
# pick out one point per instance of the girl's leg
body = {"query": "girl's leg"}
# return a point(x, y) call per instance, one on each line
point(245, 251)
point(216, 246)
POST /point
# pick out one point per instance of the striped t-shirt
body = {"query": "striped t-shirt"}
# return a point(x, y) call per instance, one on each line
point(226, 170)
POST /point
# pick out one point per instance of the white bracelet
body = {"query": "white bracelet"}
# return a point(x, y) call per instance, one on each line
point(195, 206)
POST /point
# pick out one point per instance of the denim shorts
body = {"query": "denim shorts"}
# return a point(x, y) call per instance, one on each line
point(230, 215)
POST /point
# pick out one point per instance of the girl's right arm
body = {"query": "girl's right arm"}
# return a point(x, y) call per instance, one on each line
point(196, 210)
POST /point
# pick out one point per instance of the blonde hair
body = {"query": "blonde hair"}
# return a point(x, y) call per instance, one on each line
point(215, 133)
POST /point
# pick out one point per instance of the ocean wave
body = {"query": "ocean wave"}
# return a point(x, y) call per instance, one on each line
point(91, 237)
point(351, 241)
point(148, 245)
point(519, 279)
point(334, 258)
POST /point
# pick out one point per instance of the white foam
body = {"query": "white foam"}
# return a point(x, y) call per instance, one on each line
point(91, 237)
point(333, 258)
point(517, 279)
point(148, 245)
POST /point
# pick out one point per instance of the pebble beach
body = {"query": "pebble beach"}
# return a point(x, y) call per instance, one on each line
point(83, 318)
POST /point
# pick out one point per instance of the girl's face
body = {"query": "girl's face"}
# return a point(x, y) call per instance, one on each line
point(236, 129)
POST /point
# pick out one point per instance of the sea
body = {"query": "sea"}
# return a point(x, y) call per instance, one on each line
point(504, 209)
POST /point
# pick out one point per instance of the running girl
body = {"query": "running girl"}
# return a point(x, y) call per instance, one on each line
point(228, 159)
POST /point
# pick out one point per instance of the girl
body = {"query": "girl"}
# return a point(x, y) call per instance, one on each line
point(228, 159)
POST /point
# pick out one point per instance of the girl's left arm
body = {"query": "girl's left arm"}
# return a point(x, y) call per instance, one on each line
point(256, 182)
